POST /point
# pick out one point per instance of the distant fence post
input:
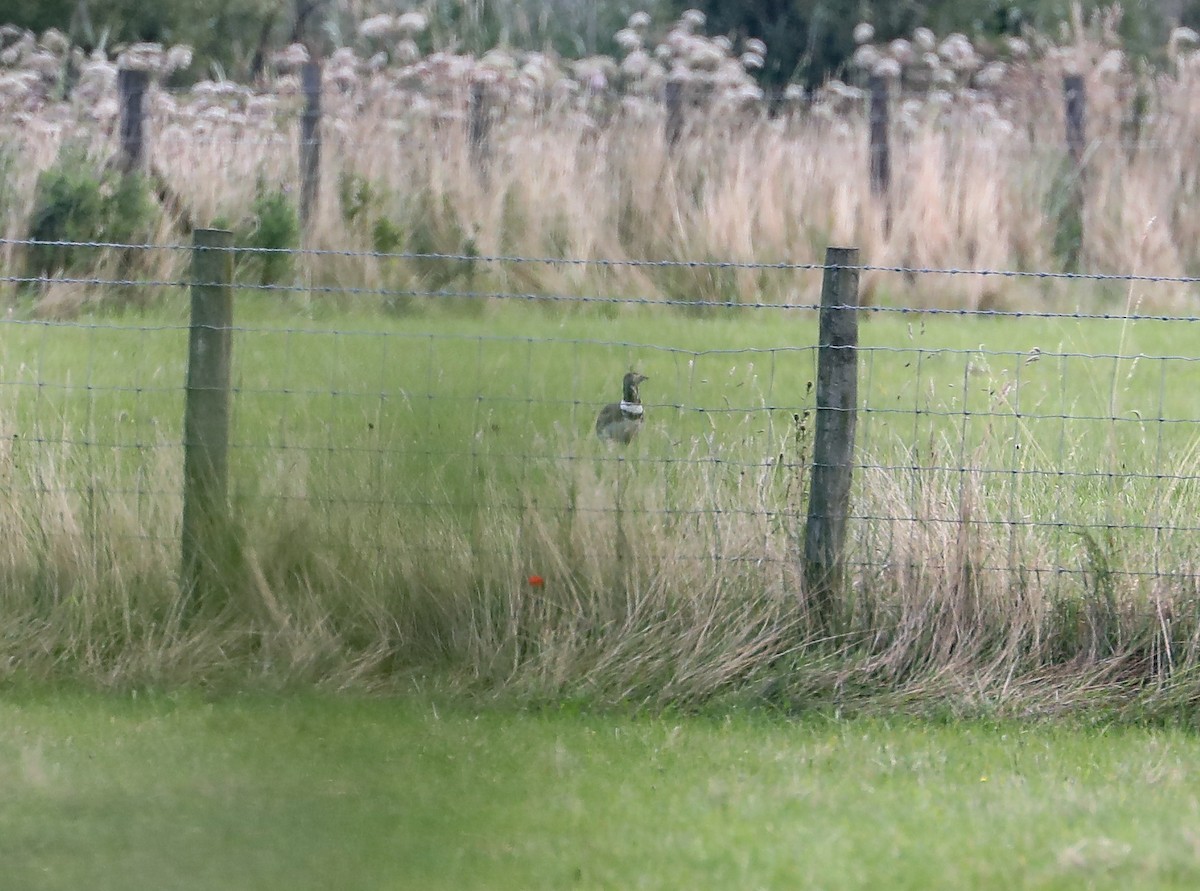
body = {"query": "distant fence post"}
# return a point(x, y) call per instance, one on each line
point(310, 142)
point(1075, 97)
point(480, 128)
point(1069, 236)
point(881, 153)
point(206, 415)
point(132, 85)
point(833, 446)
point(881, 159)
point(673, 99)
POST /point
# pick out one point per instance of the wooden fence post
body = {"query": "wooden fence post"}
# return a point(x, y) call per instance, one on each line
point(881, 154)
point(310, 142)
point(132, 85)
point(1075, 97)
point(1069, 237)
point(673, 99)
point(881, 158)
point(833, 446)
point(206, 522)
point(480, 128)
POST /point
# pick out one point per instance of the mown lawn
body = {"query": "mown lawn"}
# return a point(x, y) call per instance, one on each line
point(306, 791)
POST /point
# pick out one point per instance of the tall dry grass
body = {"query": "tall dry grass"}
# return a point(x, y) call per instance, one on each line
point(979, 182)
point(606, 590)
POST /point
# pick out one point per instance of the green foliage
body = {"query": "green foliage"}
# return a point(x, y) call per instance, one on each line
point(224, 33)
point(701, 288)
point(276, 229)
point(386, 236)
point(1064, 208)
point(811, 40)
point(38, 15)
point(571, 27)
point(129, 207)
point(434, 228)
point(10, 205)
point(808, 40)
point(76, 202)
point(229, 34)
point(67, 207)
point(1102, 566)
point(355, 197)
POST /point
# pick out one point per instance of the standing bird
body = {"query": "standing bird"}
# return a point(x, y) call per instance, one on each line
point(619, 421)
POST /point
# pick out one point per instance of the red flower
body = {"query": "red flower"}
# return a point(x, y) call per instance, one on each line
point(537, 581)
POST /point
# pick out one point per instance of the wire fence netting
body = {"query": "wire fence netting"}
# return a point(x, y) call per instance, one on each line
point(1053, 446)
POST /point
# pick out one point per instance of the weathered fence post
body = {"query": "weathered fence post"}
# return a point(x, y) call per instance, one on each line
point(206, 415)
point(1069, 237)
point(833, 446)
point(310, 142)
point(881, 153)
point(1075, 97)
point(480, 128)
point(881, 156)
point(132, 85)
point(673, 99)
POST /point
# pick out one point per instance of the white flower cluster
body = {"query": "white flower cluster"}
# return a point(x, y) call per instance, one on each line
point(154, 59)
point(387, 27)
point(387, 69)
point(718, 71)
point(33, 69)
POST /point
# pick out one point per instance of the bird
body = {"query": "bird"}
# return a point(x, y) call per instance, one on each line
point(620, 421)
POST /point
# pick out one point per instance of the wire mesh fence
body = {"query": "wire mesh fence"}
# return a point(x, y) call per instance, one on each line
point(1048, 450)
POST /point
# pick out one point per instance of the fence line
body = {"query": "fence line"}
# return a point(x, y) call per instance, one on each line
point(750, 265)
point(533, 297)
point(1043, 453)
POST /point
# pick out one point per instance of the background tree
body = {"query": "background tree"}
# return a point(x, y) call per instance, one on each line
point(223, 33)
point(811, 40)
point(807, 40)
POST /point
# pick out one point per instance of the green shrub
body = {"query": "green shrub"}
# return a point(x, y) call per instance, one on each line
point(276, 228)
point(74, 201)
point(8, 189)
point(1064, 207)
point(129, 208)
point(386, 236)
point(355, 197)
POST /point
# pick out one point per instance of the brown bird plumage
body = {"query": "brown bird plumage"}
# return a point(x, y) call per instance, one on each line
point(620, 421)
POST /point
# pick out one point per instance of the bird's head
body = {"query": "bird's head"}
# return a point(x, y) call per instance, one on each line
point(630, 386)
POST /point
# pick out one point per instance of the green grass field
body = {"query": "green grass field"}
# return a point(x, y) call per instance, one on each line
point(300, 792)
point(372, 417)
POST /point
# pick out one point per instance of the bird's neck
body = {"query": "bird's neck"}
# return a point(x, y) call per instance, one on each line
point(632, 409)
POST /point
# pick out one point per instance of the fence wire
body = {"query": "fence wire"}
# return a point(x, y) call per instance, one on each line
point(600, 262)
point(1054, 446)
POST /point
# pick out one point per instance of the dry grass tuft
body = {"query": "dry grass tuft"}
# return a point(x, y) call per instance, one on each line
point(613, 600)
